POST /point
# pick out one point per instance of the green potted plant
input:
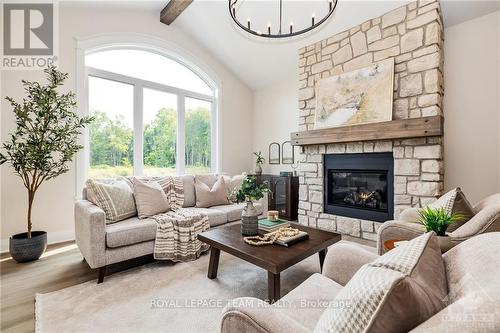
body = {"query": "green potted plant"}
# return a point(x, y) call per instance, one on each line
point(40, 148)
point(438, 220)
point(259, 160)
point(249, 192)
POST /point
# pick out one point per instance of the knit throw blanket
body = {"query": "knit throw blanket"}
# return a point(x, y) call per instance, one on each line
point(176, 235)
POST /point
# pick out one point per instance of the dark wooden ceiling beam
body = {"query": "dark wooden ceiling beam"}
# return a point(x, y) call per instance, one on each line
point(172, 10)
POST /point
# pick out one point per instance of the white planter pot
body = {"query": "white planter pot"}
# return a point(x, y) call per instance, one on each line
point(444, 243)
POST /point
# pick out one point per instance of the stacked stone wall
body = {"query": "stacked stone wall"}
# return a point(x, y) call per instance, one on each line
point(413, 36)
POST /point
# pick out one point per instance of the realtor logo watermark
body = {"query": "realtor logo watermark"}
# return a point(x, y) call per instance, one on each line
point(29, 35)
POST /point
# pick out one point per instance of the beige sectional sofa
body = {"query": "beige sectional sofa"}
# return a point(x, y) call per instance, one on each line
point(102, 244)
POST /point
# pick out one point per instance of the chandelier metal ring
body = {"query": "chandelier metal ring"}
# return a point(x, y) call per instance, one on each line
point(332, 4)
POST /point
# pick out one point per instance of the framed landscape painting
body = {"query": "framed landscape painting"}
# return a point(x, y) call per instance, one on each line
point(357, 97)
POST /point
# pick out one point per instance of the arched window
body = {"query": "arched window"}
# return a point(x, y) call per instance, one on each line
point(154, 115)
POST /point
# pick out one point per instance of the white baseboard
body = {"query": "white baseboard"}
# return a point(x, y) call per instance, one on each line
point(52, 238)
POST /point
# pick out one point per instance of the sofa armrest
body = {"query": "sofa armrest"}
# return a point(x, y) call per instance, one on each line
point(400, 230)
point(251, 315)
point(90, 232)
point(343, 261)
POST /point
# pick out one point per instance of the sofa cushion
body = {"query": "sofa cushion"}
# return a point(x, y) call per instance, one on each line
point(453, 202)
point(115, 198)
point(207, 196)
point(150, 199)
point(130, 231)
point(215, 216)
point(394, 293)
point(189, 191)
point(234, 211)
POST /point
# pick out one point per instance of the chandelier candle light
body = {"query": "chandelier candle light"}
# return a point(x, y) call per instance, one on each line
point(280, 33)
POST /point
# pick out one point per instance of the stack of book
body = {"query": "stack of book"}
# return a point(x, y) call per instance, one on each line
point(270, 226)
point(288, 241)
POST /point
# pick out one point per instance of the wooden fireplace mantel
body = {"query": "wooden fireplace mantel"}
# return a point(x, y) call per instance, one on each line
point(395, 129)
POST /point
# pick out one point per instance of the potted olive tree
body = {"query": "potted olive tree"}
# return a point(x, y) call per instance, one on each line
point(40, 148)
point(249, 192)
point(438, 220)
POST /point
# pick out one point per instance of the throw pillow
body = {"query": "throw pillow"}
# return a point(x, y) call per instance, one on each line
point(394, 293)
point(150, 199)
point(172, 186)
point(455, 202)
point(189, 191)
point(208, 197)
point(115, 198)
point(233, 185)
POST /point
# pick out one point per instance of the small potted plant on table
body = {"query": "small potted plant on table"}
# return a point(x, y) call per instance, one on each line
point(249, 192)
point(40, 148)
point(438, 220)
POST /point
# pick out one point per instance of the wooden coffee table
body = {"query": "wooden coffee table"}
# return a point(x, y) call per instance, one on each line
point(273, 258)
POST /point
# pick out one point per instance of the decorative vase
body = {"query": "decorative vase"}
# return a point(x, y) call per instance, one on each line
point(444, 243)
point(258, 169)
point(249, 220)
point(23, 249)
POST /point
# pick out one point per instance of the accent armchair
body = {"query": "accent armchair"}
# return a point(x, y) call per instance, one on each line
point(471, 277)
point(486, 219)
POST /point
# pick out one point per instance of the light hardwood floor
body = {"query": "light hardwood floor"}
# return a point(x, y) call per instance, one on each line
point(61, 266)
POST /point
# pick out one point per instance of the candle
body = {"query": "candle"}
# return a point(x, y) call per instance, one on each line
point(291, 27)
point(312, 19)
point(269, 28)
point(248, 23)
point(272, 215)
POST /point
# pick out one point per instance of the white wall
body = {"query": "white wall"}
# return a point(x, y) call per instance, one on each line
point(472, 106)
point(53, 209)
point(276, 114)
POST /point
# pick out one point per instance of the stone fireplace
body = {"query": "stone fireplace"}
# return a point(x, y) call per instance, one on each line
point(412, 35)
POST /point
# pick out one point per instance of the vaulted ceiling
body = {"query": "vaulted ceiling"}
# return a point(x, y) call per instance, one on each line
point(261, 63)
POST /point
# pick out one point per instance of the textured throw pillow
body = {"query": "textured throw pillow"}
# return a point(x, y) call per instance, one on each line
point(455, 202)
point(394, 293)
point(233, 185)
point(150, 199)
point(208, 197)
point(115, 198)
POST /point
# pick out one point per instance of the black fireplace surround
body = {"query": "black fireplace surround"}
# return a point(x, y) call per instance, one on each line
point(359, 185)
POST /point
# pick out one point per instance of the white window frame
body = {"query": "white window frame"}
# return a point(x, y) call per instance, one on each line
point(138, 112)
point(164, 48)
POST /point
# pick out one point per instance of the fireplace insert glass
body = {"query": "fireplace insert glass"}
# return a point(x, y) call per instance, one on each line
point(360, 189)
point(360, 185)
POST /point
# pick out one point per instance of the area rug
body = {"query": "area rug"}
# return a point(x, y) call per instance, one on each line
point(160, 297)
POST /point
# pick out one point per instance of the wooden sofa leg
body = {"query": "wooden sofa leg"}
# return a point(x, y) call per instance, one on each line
point(102, 273)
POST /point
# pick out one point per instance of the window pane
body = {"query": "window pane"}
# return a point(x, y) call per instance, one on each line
point(198, 132)
point(111, 134)
point(148, 66)
point(160, 132)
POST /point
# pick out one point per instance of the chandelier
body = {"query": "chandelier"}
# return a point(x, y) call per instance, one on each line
point(280, 31)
